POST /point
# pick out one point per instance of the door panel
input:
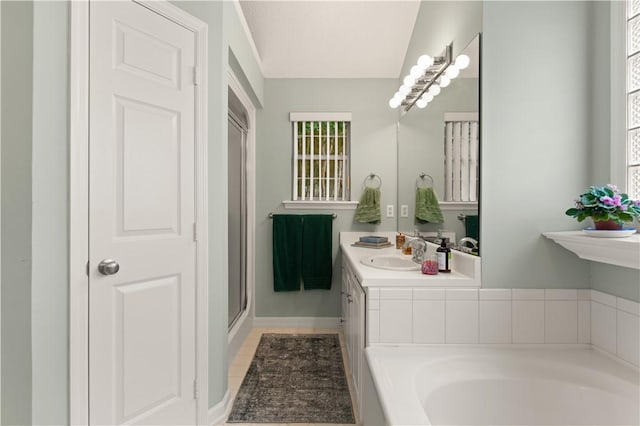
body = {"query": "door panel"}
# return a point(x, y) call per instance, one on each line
point(148, 203)
point(141, 214)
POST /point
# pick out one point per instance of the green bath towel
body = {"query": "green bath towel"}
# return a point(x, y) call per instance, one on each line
point(368, 210)
point(427, 206)
point(317, 237)
point(287, 252)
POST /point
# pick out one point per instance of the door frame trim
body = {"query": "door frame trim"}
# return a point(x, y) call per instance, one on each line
point(79, 205)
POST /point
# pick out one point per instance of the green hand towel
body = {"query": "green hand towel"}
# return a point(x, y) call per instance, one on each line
point(368, 210)
point(472, 226)
point(427, 207)
point(317, 238)
point(287, 252)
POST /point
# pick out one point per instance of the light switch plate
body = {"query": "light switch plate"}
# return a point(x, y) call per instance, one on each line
point(404, 210)
point(389, 210)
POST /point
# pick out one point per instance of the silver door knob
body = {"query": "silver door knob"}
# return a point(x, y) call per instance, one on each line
point(108, 267)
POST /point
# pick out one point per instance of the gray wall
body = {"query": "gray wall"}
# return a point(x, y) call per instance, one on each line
point(17, 89)
point(373, 150)
point(535, 139)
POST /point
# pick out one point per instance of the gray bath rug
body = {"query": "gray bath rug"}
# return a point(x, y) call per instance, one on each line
point(295, 378)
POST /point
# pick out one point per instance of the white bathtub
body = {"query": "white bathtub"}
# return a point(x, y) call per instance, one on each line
point(506, 385)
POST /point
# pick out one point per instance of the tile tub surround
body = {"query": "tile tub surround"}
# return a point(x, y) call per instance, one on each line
point(504, 316)
point(465, 267)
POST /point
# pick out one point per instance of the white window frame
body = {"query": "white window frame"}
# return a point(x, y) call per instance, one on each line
point(323, 198)
point(635, 194)
point(618, 88)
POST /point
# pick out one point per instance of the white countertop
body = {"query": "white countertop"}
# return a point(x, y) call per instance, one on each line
point(465, 267)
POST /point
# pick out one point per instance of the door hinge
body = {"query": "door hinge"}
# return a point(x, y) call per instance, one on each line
point(196, 76)
point(195, 232)
point(195, 389)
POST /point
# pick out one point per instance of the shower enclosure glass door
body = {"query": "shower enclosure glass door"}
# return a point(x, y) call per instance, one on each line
point(237, 217)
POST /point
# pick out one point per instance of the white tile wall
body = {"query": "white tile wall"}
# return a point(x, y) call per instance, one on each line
point(603, 326)
point(405, 315)
point(584, 321)
point(396, 320)
point(495, 321)
point(428, 321)
point(461, 321)
point(628, 337)
point(561, 321)
point(527, 319)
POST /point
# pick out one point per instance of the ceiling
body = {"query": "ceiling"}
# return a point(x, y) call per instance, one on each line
point(331, 39)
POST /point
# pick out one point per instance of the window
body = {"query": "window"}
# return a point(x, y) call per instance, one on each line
point(633, 99)
point(461, 156)
point(321, 144)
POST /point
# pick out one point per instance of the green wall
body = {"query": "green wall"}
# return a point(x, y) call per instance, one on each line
point(373, 150)
point(50, 200)
point(228, 47)
point(439, 23)
point(535, 139)
point(17, 91)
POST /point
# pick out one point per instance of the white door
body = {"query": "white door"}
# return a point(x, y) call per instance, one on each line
point(141, 215)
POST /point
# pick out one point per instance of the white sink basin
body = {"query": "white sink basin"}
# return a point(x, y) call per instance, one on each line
point(391, 262)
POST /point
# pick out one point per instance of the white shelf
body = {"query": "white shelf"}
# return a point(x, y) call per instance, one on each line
point(615, 251)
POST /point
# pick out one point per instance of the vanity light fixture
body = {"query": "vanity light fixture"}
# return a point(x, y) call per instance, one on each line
point(427, 78)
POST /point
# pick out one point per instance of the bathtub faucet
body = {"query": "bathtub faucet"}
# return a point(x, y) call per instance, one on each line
point(419, 247)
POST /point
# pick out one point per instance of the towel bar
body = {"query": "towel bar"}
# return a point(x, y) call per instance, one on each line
point(334, 215)
point(421, 177)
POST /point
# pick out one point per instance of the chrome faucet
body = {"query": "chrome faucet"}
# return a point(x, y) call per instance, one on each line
point(419, 247)
point(467, 244)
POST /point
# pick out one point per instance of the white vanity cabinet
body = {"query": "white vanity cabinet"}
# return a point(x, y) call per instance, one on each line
point(353, 316)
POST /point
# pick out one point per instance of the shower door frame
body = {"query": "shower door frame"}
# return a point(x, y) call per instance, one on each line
point(243, 324)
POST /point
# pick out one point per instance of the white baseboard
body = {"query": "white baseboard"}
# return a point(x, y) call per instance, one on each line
point(295, 322)
point(218, 413)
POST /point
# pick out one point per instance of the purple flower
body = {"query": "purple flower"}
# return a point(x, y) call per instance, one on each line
point(612, 187)
point(624, 207)
point(637, 203)
point(607, 200)
point(617, 200)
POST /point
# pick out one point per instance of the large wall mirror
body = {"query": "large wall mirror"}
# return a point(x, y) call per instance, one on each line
point(439, 148)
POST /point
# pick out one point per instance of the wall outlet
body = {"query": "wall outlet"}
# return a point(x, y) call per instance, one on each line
point(389, 210)
point(404, 210)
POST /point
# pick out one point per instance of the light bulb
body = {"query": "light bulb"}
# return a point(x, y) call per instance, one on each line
point(434, 90)
point(421, 103)
point(427, 97)
point(452, 72)
point(394, 103)
point(444, 81)
point(399, 96)
point(404, 90)
point(409, 80)
point(416, 72)
point(425, 61)
point(462, 62)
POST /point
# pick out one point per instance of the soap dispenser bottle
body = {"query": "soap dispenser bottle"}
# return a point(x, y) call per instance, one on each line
point(444, 256)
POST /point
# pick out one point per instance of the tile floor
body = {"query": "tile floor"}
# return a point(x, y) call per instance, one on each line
point(242, 361)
